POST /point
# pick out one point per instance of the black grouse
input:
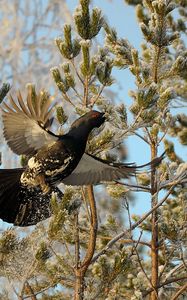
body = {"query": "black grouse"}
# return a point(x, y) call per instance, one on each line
point(25, 193)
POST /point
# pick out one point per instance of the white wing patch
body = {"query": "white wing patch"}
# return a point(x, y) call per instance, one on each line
point(61, 169)
point(34, 164)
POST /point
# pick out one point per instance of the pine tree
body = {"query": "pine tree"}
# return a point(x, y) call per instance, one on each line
point(82, 251)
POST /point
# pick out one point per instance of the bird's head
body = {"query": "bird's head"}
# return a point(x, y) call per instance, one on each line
point(90, 120)
point(81, 128)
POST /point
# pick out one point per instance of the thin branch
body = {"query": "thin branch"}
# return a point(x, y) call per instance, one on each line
point(29, 288)
point(77, 73)
point(141, 137)
point(181, 178)
point(139, 188)
point(93, 228)
point(170, 273)
point(86, 84)
point(166, 282)
point(31, 269)
point(48, 287)
point(94, 100)
point(166, 263)
point(143, 270)
point(77, 94)
point(129, 218)
point(127, 241)
point(135, 225)
point(77, 242)
point(66, 97)
point(180, 291)
point(150, 138)
point(59, 257)
point(86, 204)
point(163, 136)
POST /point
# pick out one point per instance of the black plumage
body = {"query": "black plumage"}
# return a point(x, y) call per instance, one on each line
point(25, 193)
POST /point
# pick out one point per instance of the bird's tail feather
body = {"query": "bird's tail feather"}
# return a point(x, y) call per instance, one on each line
point(133, 169)
point(20, 205)
point(153, 163)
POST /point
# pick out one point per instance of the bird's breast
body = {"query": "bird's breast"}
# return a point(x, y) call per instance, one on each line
point(50, 165)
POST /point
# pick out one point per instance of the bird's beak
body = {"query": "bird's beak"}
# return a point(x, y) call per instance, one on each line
point(103, 116)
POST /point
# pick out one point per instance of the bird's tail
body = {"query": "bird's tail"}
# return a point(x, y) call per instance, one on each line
point(9, 193)
point(20, 205)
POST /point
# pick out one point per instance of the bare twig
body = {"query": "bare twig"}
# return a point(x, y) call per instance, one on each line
point(181, 178)
point(50, 286)
point(77, 242)
point(163, 136)
point(170, 273)
point(166, 282)
point(94, 100)
point(66, 97)
point(166, 263)
point(180, 291)
point(77, 94)
point(141, 137)
point(135, 225)
point(127, 241)
point(139, 188)
point(77, 73)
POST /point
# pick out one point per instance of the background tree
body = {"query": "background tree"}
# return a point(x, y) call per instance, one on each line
point(27, 51)
point(83, 253)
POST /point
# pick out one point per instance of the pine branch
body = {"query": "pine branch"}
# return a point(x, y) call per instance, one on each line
point(134, 225)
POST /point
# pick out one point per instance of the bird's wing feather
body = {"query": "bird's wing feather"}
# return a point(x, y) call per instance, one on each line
point(25, 126)
point(92, 170)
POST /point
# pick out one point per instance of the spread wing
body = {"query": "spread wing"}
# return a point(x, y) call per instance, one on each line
point(25, 125)
point(93, 170)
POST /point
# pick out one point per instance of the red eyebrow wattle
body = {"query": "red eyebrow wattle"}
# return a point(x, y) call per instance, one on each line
point(95, 114)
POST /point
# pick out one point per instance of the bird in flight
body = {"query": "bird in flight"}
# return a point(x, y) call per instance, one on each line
point(25, 193)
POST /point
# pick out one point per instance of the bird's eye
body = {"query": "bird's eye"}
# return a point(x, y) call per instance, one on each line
point(95, 115)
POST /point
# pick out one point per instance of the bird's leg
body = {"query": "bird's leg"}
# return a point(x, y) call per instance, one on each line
point(42, 183)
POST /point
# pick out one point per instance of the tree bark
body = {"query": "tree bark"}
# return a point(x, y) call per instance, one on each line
point(154, 225)
point(80, 270)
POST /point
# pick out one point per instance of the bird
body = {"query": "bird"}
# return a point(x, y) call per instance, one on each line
point(25, 193)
